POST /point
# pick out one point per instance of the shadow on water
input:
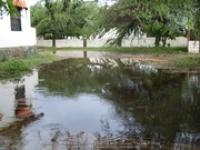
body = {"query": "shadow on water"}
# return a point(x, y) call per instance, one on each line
point(113, 103)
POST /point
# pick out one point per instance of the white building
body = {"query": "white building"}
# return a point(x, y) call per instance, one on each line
point(17, 37)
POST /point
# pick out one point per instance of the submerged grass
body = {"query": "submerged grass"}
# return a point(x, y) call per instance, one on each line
point(14, 67)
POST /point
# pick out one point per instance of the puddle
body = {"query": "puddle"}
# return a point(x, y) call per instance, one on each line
point(98, 103)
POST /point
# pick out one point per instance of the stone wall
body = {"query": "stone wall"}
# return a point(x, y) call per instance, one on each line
point(16, 52)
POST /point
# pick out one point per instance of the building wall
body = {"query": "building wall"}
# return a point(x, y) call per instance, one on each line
point(26, 37)
point(14, 40)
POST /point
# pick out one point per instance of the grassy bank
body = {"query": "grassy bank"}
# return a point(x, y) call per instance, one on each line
point(15, 67)
point(134, 50)
point(189, 62)
point(175, 58)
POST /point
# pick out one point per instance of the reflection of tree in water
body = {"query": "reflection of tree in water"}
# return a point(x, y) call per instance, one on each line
point(153, 105)
point(73, 76)
point(158, 106)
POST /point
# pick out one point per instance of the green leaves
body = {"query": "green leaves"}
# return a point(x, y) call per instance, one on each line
point(6, 7)
point(161, 19)
point(61, 18)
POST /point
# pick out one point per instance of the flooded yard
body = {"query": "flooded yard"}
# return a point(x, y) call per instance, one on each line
point(100, 103)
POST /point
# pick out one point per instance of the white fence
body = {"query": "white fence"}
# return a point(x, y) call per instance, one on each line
point(144, 42)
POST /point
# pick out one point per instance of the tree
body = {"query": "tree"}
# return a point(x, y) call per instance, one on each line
point(155, 17)
point(61, 18)
point(197, 20)
point(84, 16)
point(125, 17)
point(6, 7)
point(50, 19)
point(189, 11)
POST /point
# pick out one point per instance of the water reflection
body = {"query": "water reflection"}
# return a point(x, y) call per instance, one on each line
point(98, 102)
point(15, 104)
point(151, 104)
point(16, 98)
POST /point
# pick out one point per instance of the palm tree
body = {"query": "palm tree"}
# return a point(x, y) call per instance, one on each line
point(60, 18)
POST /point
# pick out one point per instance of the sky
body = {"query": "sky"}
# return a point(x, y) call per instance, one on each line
point(31, 2)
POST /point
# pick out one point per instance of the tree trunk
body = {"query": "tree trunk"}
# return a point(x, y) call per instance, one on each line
point(164, 41)
point(199, 46)
point(53, 42)
point(84, 42)
point(188, 35)
point(85, 54)
point(119, 43)
point(157, 41)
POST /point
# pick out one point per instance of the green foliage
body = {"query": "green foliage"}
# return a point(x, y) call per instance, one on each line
point(197, 20)
point(49, 20)
point(59, 19)
point(161, 19)
point(6, 7)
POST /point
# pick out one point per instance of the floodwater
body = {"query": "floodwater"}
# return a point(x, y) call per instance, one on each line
point(100, 103)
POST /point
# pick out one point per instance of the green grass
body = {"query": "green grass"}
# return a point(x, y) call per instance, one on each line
point(190, 62)
point(15, 67)
point(134, 50)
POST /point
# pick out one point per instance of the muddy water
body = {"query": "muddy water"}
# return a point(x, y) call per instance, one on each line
point(98, 103)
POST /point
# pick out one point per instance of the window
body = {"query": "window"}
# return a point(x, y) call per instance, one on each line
point(15, 21)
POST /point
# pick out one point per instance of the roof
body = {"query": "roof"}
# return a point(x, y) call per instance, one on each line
point(20, 4)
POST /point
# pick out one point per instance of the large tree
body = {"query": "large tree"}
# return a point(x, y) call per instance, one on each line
point(197, 21)
point(6, 7)
point(51, 19)
point(154, 17)
point(59, 19)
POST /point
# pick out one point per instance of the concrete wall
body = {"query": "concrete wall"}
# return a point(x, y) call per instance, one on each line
point(194, 47)
point(144, 42)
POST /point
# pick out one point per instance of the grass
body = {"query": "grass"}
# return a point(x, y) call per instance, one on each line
point(15, 67)
point(134, 50)
point(190, 62)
